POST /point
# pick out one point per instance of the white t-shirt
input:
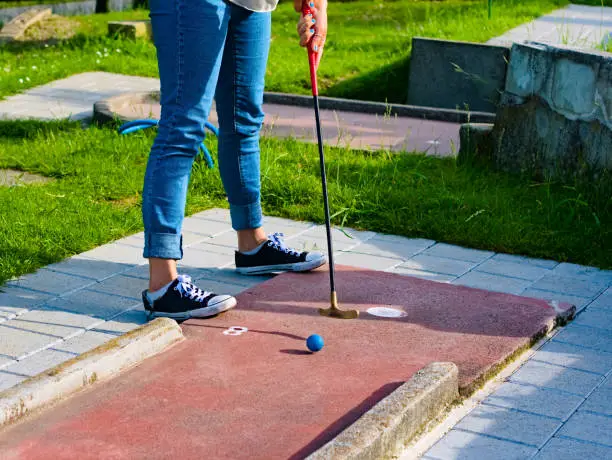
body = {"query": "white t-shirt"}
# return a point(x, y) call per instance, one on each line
point(259, 6)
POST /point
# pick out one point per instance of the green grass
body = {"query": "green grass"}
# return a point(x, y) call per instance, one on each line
point(366, 55)
point(96, 197)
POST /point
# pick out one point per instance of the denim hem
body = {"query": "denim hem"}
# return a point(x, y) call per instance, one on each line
point(246, 217)
point(163, 246)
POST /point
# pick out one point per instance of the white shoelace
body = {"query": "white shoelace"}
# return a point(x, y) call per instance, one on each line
point(187, 289)
point(277, 242)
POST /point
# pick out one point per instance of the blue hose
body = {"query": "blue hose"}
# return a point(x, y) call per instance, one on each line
point(137, 125)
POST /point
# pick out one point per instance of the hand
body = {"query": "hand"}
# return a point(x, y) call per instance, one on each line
point(312, 28)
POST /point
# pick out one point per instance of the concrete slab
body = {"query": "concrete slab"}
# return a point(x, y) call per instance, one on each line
point(265, 385)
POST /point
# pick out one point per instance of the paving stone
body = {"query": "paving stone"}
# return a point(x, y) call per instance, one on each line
point(6, 361)
point(40, 362)
point(490, 282)
point(305, 242)
point(85, 342)
point(221, 215)
point(588, 427)
point(122, 285)
point(556, 377)
point(205, 227)
point(542, 263)
point(123, 323)
point(569, 449)
point(56, 323)
point(403, 250)
point(16, 343)
point(136, 240)
point(98, 305)
point(536, 400)
point(567, 285)
point(94, 269)
point(443, 266)
point(15, 300)
point(583, 272)
point(272, 223)
point(521, 270)
point(195, 259)
point(579, 302)
point(603, 302)
point(572, 356)
point(423, 275)
point(228, 275)
point(220, 287)
point(461, 445)
point(205, 246)
point(598, 339)
point(344, 235)
point(8, 380)
point(122, 255)
point(228, 239)
point(599, 401)
point(50, 282)
point(457, 252)
point(366, 261)
point(510, 424)
point(601, 319)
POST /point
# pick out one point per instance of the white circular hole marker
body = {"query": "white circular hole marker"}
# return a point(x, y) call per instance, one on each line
point(386, 312)
point(235, 330)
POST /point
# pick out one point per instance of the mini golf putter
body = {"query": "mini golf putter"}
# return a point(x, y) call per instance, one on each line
point(333, 311)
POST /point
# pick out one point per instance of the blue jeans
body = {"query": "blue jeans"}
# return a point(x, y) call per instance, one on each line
point(205, 49)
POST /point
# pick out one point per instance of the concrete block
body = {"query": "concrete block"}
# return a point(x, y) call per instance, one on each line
point(342, 235)
point(496, 283)
point(122, 256)
point(574, 357)
point(366, 261)
point(510, 424)
point(402, 248)
point(603, 302)
point(441, 265)
point(15, 300)
point(53, 323)
point(583, 272)
point(601, 319)
point(457, 252)
point(122, 285)
point(589, 427)
point(228, 275)
point(523, 271)
point(130, 29)
point(307, 242)
point(16, 343)
point(423, 275)
point(6, 361)
point(50, 282)
point(589, 337)
point(15, 28)
point(462, 445)
point(570, 285)
point(208, 228)
point(123, 322)
point(40, 362)
point(528, 69)
point(93, 269)
point(556, 377)
point(84, 342)
point(136, 240)
point(218, 214)
point(569, 449)
point(600, 401)
point(578, 302)
point(194, 259)
point(456, 75)
point(97, 305)
point(573, 88)
point(542, 401)
point(8, 380)
point(548, 264)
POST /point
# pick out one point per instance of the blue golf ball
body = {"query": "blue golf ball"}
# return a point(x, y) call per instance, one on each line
point(315, 342)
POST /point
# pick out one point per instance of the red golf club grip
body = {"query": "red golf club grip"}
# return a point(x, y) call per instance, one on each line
point(312, 56)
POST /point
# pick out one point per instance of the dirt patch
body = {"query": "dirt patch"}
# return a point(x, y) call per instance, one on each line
point(13, 178)
point(52, 29)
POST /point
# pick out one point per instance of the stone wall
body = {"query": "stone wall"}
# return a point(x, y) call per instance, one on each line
point(555, 115)
point(65, 9)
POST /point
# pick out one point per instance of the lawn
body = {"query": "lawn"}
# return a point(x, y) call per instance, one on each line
point(98, 174)
point(366, 55)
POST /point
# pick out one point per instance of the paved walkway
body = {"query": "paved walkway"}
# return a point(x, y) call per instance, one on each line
point(575, 25)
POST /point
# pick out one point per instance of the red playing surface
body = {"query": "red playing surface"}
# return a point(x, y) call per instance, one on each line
point(261, 395)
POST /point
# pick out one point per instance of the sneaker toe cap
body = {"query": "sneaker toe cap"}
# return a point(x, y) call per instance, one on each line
point(315, 256)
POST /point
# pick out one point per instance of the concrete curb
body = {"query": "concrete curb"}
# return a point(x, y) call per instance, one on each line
point(103, 110)
point(100, 363)
point(384, 430)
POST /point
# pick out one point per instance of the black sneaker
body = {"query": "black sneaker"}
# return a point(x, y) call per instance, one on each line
point(184, 300)
point(274, 256)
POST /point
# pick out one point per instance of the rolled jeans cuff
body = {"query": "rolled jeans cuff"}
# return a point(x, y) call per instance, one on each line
point(163, 246)
point(246, 217)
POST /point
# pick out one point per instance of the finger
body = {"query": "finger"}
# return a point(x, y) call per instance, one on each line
point(305, 24)
point(297, 5)
point(306, 37)
point(318, 42)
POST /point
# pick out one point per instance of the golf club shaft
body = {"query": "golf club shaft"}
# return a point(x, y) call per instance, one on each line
point(330, 248)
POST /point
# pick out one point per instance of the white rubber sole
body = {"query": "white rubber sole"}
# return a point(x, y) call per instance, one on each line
point(211, 310)
point(297, 267)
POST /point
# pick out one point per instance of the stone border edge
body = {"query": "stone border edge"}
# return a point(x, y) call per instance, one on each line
point(103, 109)
point(101, 363)
point(384, 430)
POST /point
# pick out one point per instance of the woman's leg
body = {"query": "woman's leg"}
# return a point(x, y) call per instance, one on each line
point(189, 36)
